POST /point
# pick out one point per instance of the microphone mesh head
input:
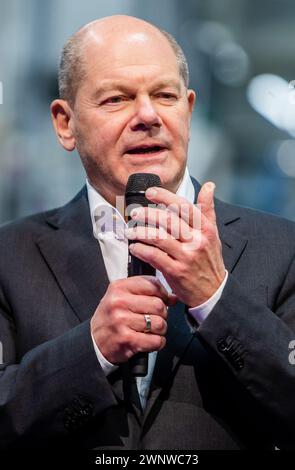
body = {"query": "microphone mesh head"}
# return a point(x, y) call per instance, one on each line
point(137, 184)
point(142, 181)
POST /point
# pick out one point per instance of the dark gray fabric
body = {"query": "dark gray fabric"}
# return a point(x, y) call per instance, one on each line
point(227, 386)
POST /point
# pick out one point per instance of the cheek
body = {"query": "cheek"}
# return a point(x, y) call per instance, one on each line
point(107, 132)
point(98, 136)
point(179, 124)
point(181, 133)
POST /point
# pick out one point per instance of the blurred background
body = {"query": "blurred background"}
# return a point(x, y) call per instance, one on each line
point(242, 66)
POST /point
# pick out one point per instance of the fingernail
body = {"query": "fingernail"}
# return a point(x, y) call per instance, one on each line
point(151, 192)
point(211, 186)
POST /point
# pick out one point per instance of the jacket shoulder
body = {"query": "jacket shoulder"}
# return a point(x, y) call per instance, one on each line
point(254, 222)
point(31, 225)
point(26, 225)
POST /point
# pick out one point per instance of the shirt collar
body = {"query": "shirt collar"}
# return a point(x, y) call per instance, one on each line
point(186, 188)
point(107, 218)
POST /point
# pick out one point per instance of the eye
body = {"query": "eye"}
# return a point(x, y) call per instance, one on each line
point(167, 96)
point(114, 100)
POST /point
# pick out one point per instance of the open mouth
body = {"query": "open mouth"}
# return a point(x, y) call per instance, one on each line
point(145, 150)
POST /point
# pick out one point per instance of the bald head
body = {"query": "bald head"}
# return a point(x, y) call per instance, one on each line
point(101, 34)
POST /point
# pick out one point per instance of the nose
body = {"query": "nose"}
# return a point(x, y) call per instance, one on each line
point(145, 115)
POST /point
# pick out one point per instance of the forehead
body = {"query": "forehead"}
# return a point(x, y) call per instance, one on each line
point(135, 55)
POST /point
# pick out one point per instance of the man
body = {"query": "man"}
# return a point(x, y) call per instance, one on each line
point(219, 375)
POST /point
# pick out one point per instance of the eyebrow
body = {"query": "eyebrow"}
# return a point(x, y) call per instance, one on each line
point(117, 85)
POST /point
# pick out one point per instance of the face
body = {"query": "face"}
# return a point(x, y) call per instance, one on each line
point(131, 113)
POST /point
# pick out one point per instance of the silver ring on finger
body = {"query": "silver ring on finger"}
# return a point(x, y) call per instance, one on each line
point(148, 324)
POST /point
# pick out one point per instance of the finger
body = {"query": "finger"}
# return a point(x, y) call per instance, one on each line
point(153, 256)
point(165, 219)
point(145, 342)
point(142, 304)
point(158, 238)
point(206, 202)
point(138, 323)
point(177, 204)
point(147, 285)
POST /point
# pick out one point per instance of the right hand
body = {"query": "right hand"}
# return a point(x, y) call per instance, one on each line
point(118, 323)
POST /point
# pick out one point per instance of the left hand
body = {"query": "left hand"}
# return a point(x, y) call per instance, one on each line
point(183, 243)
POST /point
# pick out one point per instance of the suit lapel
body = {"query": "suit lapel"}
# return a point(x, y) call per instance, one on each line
point(75, 259)
point(74, 256)
point(233, 243)
point(233, 247)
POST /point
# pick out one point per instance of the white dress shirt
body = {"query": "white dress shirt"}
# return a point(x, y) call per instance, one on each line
point(108, 228)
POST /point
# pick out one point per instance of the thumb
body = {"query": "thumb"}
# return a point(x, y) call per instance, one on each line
point(206, 201)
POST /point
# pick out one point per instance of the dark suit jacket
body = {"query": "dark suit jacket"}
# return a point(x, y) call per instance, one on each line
point(229, 385)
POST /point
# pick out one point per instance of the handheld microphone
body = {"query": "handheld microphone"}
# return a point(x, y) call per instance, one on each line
point(136, 186)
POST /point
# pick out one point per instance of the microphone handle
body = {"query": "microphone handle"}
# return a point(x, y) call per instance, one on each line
point(138, 364)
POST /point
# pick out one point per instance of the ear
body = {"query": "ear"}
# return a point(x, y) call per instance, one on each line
point(62, 120)
point(191, 99)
